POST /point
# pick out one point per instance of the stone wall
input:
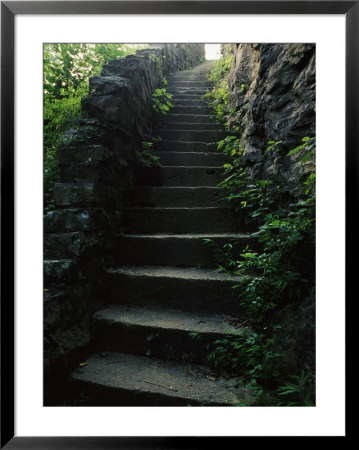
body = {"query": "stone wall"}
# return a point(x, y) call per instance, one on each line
point(97, 165)
point(272, 98)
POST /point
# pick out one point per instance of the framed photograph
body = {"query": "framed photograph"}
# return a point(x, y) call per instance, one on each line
point(174, 243)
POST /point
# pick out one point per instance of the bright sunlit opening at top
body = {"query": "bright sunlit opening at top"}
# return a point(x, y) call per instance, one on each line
point(213, 51)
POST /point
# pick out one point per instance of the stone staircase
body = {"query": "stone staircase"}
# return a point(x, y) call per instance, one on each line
point(165, 285)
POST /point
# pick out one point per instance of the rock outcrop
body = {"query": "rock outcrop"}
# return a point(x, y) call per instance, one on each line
point(272, 98)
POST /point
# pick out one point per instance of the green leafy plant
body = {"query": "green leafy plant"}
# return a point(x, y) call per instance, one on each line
point(308, 147)
point(273, 145)
point(244, 87)
point(230, 145)
point(217, 97)
point(161, 101)
point(299, 391)
point(280, 272)
point(146, 155)
point(196, 336)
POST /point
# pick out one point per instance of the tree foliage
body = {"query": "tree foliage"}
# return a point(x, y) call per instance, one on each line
point(66, 70)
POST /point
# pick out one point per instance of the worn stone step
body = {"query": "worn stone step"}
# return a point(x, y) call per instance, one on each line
point(198, 110)
point(192, 77)
point(181, 250)
point(193, 135)
point(192, 158)
point(174, 126)
point(118, 379)
point(185, 100)
point(188, 118)
point(187, 90)
point(188, 147)
point(184, 288)
point(176, 196)
point(181, 220)
point(187, 93)
point(180, 176)
point(200, 70)
point(188, 84)
point(188, 100)
point(197, 91)
point(163, 333)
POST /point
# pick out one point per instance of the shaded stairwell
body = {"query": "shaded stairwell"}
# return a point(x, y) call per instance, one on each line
point(164, 285)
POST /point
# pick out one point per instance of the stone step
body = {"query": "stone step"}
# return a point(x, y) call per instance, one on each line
point(118, 379)
point(193, 135)
point(177, 196)
point(192, 158)
point(198, 110)
point(174, 126)
point(187, 147)
point(189, 118)
point(162, 333)
point(187, 84)
point(195, 91)
point(174, 78)
point(187, 93)
point(200, 70)
point(181, 220)
point(181, 250)
point(188, 100)
point(183, 288)
point(180, 176)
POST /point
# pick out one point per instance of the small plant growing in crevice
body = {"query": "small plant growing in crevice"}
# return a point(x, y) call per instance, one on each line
point(161, 101)
point(244, 87)
point(217, 97)
point(146, 155)
point(299, 390)
point(308, 147)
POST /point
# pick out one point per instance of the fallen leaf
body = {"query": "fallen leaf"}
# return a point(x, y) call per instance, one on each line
point(46, 290)
point(83, 364)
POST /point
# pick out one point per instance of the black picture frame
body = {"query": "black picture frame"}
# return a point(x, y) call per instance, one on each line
point(9, 9)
